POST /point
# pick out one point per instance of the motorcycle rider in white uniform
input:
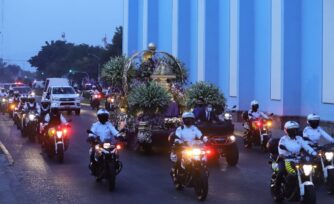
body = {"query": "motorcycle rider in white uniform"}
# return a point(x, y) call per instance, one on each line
point(102, 129)
point(291, 145)
point(313, 132)
point(254, 112)
point(188, 132)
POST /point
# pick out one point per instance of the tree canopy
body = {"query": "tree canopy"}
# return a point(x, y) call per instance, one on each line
point(58, 58)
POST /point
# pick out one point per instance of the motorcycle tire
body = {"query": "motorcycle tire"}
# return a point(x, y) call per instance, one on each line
point(232, 154)
point(264, 144)
point(330, 181)
point(310, 195)
point(175, 177)
point(276, 188)
point(202, 186)
point(147, 148)
point(60, 153)
point(111, 176)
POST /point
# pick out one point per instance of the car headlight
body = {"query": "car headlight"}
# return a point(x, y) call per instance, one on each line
point(232, 138)
point(106, 145)
point(228, 116)
point(329, 156)
point(31, 117)
point(307, 168)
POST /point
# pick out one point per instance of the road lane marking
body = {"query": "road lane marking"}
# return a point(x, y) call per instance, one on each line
point(8, 155)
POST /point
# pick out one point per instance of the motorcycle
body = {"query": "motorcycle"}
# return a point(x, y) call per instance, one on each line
point(106, 163)
point(258, 132)
point(3, 105)
point(57, 141)
point(11, 106)
point(191, 170)
point(297, 184)
point(95, 101)
point(110, 103)
point(325, 168)
point(30, 125)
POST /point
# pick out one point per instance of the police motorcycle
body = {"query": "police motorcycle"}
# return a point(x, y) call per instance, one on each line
point(31, 125)
point(18, 112)
point(11, 105)
point(191, 168)
point(257, 131)
point(325, 166)
point(297, 184)
point(56, 141)
point(106, 163)
point(95, 101)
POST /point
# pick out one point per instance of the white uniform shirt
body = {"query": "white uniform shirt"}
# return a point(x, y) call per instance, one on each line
point(62, 118)
point(104, 131)
point(315, 134)
point(188, 134)
point(256, 115)
point(28, 105)
point(293, 146)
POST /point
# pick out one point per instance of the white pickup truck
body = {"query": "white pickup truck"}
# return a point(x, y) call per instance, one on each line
point(61, 95)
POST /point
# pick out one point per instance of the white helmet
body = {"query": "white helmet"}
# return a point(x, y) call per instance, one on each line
point(313, 117)
point(254, 102)
point(313, 120)
point(102, 111)
point(188, 115)
point(291, 128)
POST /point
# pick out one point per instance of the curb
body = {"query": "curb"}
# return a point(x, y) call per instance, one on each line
point(6, 152)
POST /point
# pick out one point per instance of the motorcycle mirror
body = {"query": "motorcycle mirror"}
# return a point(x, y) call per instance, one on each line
point(271, 114)
point(205, 139)
point(89, 131)
point(234, 106)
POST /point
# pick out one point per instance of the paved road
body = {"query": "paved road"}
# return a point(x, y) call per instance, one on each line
point(145, 178)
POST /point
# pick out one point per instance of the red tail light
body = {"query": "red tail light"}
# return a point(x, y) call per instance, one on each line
point(258, 124)
point(208, 151)
point(65, 131)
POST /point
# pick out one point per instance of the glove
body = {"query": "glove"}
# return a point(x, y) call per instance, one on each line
point(121, 139)
point(90, 139)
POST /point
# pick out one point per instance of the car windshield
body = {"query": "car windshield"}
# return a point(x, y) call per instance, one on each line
point(22, 90)
point(63, 90)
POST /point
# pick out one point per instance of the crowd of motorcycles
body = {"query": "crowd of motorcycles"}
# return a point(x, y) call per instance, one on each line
point(304, 172)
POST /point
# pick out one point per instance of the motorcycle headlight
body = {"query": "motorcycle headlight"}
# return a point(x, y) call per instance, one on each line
point(329, 156)
point(59, 134)
point(228, 116)
point(97, 147)
point(31, 117)
point(194, 152)
point(33, 94)
point(232, 138)
point(3, 100)
point(307, 168)
point(106, 145)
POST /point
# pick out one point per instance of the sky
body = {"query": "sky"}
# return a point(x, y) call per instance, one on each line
point(25, 25)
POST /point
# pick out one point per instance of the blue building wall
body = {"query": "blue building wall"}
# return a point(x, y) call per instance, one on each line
point(301, 48)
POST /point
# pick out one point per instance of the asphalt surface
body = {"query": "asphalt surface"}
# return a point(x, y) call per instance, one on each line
point(34, 178)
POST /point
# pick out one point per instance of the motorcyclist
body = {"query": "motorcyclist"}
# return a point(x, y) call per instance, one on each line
point(313, 132)
point(188, 132)
point(102, 129)
point(31, 105)
point(291, 145)
point(254, 112)
point(44, 110)
point(52, 119)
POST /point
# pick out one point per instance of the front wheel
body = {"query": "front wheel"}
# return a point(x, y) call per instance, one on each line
point(310, 195)
point(111, 175)
point(276, 188)
point(60, 153)
point(330, 181)
point(232, 154)
point(202, 186)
